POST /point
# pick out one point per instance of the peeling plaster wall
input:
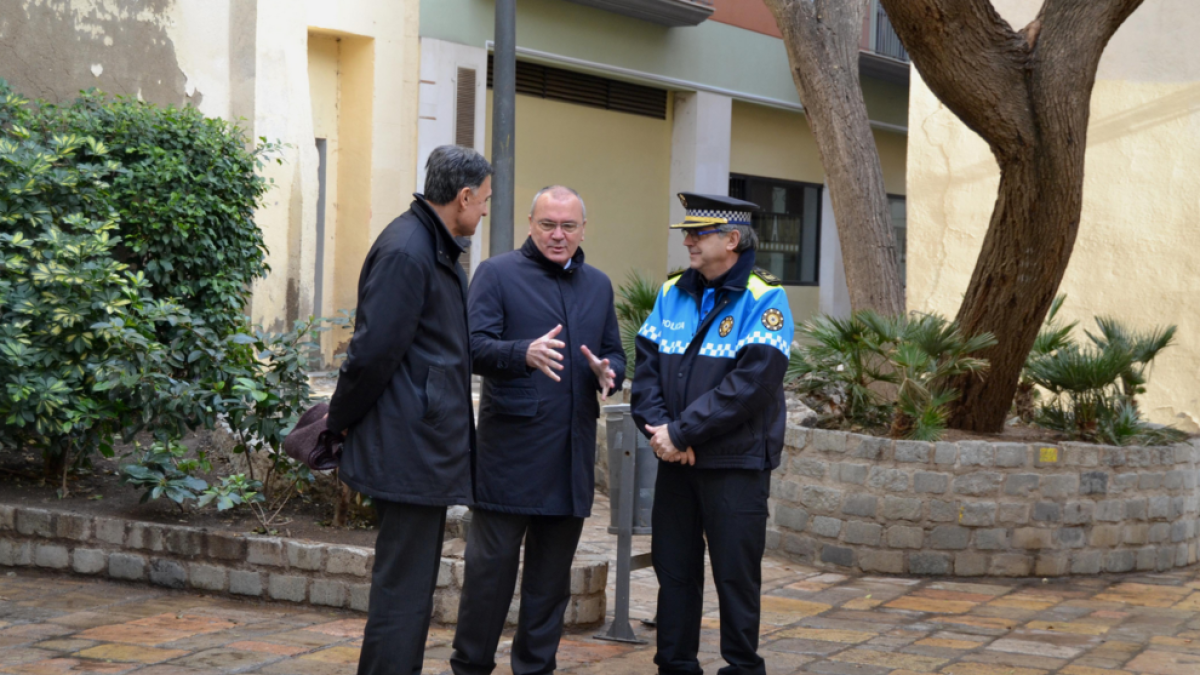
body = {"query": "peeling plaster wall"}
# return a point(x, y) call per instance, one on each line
point(1136, 256)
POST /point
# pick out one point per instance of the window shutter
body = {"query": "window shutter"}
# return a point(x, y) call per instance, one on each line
point(557, 84)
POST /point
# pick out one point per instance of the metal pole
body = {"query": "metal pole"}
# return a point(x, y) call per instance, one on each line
point(620, 630)
point(504, 103)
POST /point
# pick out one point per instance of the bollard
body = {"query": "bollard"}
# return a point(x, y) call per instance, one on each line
point(632, 469)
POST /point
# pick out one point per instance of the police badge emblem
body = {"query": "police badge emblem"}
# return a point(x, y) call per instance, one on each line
point(772, 319)
point(726, 326)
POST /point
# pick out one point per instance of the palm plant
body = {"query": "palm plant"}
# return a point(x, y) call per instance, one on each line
point(838, 368)
point(1053, 336)
point(636, 299)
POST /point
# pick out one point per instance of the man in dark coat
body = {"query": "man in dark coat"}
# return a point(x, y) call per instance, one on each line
point(708, 391)
point(403, 400)
point(544, 336)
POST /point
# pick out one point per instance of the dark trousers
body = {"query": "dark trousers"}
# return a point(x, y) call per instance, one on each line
point(728, 507)
point(408, 552)
point(492, 557)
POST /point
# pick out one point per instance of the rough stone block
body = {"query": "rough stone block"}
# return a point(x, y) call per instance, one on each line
point(1093, 483)
point(286, 587)
point(346, 560)
point(929, 482)
point(1032, 538)
point(8, 518)
point(264, 551)
point(871, 448)
point(1078, 513)
point(978, 514)
point(222, 546)
point(1047, 512)
point(1112, 456)
point(979, 483)
point(991, 539)
point(1052, 565)
point(809, 466)
point(795, 438)
point(1021, 484)
point(110, 531)
point(89, 560)
point(1122, 482)
point(208, 577)
point(304, 556)
point(1174, 479)
point(901, 536)
point(1011, 565)
point(976, 453)
point(1012, 455)
point(1137, 534)
point(837, 555)
point(945, 453)
point(825, 440)
point(949, 537)
point(883, 562)
point(186, 542)
point(929, 564)
point(1085, 562)
point(35, 523)
point(1147, 558)
point(1105, 536)
point(1013, 514)
point(892, 480)
point(821, 499)
point(14, 553)
point(855, 474)
point(943, 512)
point(126, 566)
point(242, 582)
point(913, 452)
point(792, 518)
point(328, 592)
point(805, 547)
point(360, 597)
point(858, 532)
point(1179, 531)
point(860, 505)
point(1110, 510)
point(1137, 509)
point(1160, 508)
point(1159, 532)
point(1072, 537)
point(1120, 561)
point(1060, 486)
point(146, 536)
point(53, 556)
point(901, 508)
point(73, 526)
point(825, 526)
point(168, 573)
point(970, 564)
point(1166, 558)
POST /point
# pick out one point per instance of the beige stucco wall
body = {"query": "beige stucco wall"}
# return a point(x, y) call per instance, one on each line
point(1136, 256)
point(618, 162)
point(776, 143)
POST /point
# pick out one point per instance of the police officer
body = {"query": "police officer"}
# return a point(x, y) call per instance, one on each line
point(708, 391)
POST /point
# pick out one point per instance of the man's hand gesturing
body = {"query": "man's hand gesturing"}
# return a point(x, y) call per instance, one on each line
point(542, 354)
point(604, 375)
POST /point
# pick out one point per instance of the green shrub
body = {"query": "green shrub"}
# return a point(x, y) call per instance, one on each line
point(884, 373)
point(635, 301)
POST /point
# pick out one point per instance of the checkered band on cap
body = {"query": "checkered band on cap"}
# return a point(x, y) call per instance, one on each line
point(731, 217)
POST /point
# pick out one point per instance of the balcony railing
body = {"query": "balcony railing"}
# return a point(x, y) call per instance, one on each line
point(886, 42)
point(665, 12)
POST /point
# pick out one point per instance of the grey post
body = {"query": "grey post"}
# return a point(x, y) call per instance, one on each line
point(504, 125)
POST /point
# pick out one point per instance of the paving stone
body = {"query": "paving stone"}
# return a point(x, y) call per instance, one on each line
point(859, 505)
point(1093, 483)
point(901, 536)
point(902, 508)
point(89, 560)
point(1021, 484)
point(976, 453)
point(821, 499)
point(892, 480)
point(929, 482)
point(1059, 486)
point(825, 526)
point(978, 514)
point(126, 566)
point(929, 564)
point(979, 483)
point(53, 556)
point(949, 537)
point(913, 452)
point(243, 582)
point(168, 573)
point(858, 532)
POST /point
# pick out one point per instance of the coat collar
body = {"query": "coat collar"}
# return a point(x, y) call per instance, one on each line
point(733, 280)
point(433, 221)
point(530, 250)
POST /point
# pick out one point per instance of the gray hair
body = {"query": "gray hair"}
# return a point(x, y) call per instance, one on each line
point(748, 240)
point(557, 191)
point(450, 169)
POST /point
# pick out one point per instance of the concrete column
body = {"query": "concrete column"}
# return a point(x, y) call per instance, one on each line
point(700, 140)
point(834, 293)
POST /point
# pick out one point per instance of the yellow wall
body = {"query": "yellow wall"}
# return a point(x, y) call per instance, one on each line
point(1136, 256)
point(776, 143)
point(619, 163)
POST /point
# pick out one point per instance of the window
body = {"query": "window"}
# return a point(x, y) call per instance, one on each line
point(788, 225)
point(899, 211)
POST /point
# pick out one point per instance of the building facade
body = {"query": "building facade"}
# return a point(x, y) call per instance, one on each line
point(1134, 258)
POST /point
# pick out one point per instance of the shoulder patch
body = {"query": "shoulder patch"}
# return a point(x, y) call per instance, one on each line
point(772, 319)
point(677, 273)
point(766, 276)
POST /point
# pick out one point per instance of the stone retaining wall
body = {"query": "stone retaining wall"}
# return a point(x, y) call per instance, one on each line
point(977, 508)
point(271, 568)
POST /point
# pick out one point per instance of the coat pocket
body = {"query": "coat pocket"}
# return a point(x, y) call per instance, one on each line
point(514, 402)
point(435, 395)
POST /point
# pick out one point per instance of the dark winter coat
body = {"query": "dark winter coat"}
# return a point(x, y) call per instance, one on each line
point(537, 437)
point(404, 392)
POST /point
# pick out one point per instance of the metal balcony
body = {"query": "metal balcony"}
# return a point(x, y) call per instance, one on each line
point(665, 12)
point(882, 56)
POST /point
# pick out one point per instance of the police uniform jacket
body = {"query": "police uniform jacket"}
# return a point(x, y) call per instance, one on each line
point(710, 364)
point(537, 437)
point(404, 392)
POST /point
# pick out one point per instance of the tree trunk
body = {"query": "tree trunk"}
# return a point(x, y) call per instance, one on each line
point(822, 39)
point(1028, 95)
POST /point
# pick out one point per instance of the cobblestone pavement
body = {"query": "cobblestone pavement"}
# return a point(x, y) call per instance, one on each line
point(813, 622)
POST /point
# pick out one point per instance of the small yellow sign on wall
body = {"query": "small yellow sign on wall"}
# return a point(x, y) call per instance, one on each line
point(1049, 455)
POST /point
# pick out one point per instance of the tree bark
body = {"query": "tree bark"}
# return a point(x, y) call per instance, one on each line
point(822, 39)
point(1027, 94)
